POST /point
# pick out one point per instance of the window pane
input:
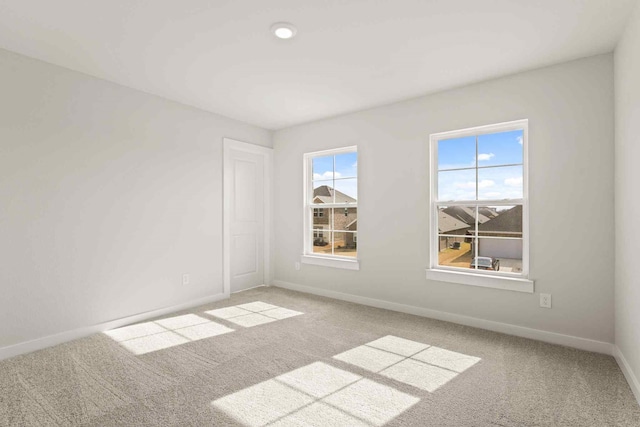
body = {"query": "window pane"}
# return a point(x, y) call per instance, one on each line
point(345, 219)
point(501, 221)
point(507, 253)
point(322, 242)
point(320, 232)
point(502, 148)
point(321, 217)
point(346, 191)
point(343, 244)
point(334, 181)
point(503, 255)
point(346, 165)
point(322, 168)
point(457, 185)
point(322, 192)
point(455, 251)
point(500, 183)
point(456, 220)
point(457, 153)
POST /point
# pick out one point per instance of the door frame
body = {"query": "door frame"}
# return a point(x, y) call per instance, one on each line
point(229, 144)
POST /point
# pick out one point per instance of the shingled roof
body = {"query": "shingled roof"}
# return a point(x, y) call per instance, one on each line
point(447, 223)
point(324, 194)
point(509, 221)
point(465, 214)
point(488, 212)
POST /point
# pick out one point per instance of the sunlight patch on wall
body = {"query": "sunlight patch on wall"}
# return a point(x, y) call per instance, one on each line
point(417, 364)
point(316, 394)
point(165, 333)
point(253, 314)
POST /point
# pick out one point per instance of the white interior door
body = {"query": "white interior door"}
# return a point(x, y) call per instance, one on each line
point(246, 244)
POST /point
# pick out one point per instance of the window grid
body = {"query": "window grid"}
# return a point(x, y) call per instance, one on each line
point(478, 203)
point(333, 207)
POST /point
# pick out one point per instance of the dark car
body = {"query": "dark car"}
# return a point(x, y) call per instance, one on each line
point(320, 242)
point(485, 263)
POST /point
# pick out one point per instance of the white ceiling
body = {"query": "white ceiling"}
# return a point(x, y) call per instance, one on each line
point(348, 55)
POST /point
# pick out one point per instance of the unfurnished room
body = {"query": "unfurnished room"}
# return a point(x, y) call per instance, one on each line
point(319, 213)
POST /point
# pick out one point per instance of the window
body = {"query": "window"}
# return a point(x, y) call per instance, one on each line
point(479, 210)
point(331, 208)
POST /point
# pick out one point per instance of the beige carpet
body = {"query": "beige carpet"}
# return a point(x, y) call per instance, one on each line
point(274, 357)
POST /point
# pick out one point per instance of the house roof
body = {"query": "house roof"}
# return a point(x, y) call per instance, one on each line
point(324, 194)
point(488, 212)
point(465, 214)
point(506, 222)
point(447, 223)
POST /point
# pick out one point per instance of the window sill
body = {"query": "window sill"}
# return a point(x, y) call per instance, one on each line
point(507, 283)
point(346, 264)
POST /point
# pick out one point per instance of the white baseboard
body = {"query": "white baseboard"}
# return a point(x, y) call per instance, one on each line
point(505, 328)
point(628, 372)
point(51, 340)
point(248, 289)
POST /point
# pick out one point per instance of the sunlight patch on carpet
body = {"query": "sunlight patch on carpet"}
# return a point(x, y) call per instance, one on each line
point(253, 313)
point(316, 394)
point(161, 334)
point(417, 364)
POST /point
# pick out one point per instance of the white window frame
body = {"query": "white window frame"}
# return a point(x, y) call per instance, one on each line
point(308, 256)
point(509, 281)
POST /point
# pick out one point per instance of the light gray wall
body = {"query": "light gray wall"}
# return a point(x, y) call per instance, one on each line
point(107, 195)
point(627, 184)
point(570, 112)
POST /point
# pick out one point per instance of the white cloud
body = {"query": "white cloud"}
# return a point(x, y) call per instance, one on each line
point(513, 182)
point(519, 140)
point(485, 183)
point(492, 194)
point(326, 175)
point(485, 156)
point(469, 184)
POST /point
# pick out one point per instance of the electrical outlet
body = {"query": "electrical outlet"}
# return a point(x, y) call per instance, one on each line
point(185, 279)
point(297, 265)
point(545, 300)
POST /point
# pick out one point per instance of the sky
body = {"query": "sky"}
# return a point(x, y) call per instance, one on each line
point(496, 183)
point(346, 166)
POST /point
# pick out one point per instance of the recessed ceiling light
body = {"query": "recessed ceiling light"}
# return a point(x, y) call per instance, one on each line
point(283, 30)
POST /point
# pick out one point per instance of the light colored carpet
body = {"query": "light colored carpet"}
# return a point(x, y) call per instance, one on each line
point(269, 356)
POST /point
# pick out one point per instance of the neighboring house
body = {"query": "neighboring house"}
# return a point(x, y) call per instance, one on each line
point(488, 212)
point(352, 238)
point(450, 225)
point(466, 215)
point(341, 218)
point(507, 224)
